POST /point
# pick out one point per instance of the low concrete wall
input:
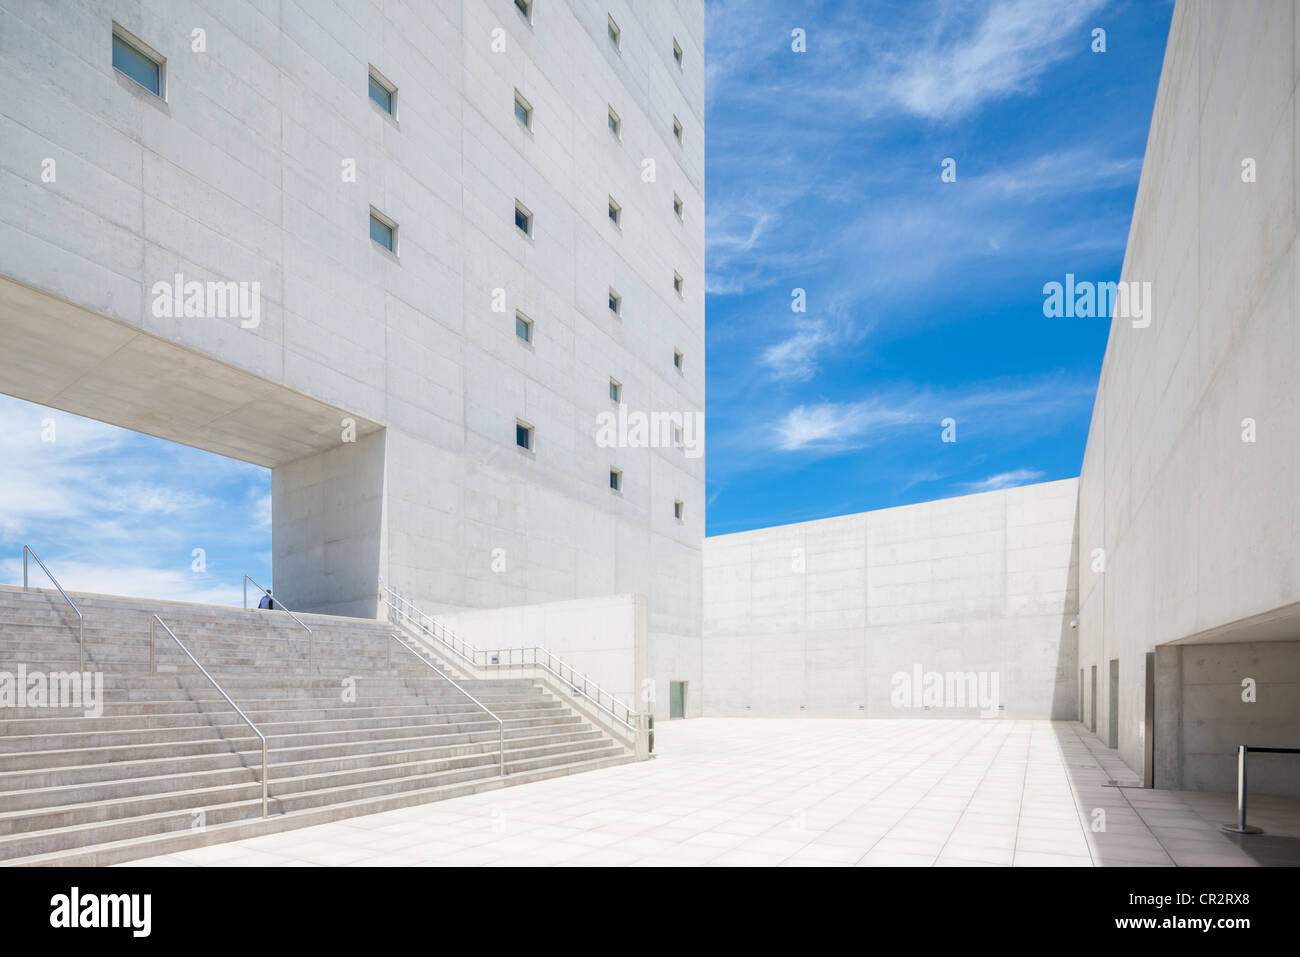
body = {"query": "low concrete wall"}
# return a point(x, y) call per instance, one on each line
point(818, 618)
point(604, 638)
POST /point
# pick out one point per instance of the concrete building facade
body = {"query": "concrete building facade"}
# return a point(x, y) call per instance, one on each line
point(375, 247)
point(1189, 499)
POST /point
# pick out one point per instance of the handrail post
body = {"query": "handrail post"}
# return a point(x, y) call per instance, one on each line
point(264, 810)
point(151, 640)
point(1241, 827)
point(24, 568)
point(81, 638)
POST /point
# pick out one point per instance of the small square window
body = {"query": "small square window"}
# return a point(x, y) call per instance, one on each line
point(678, 359)
point(615, 390)
point(678, 283)
point(615, 123)
point(615, 212)
point(615, 34)
point(677, 51)
point(523, 327)
point(523, 219)
point(615, 303)
point(523, 435)
point(677, 129)
point(523, 111)
point(679, 509)
point(525, 8)
point(133, 61)
point(678, 206)
point(615, 480)
point(383, 230)
point(382, 93)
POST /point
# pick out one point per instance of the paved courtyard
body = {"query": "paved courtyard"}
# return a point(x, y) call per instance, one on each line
point(810, 792)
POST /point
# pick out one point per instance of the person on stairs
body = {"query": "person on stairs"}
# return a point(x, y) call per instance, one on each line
point(267, 601)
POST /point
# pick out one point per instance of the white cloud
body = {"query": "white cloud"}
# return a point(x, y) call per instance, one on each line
point(1003, 480)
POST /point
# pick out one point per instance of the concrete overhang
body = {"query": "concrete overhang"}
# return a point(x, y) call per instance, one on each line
point(60, 355)
point(1280, 624)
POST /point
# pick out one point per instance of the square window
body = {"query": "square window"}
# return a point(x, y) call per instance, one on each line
point(615, 303)
point(679, 509)
point(615, 34)
point(615, 124)
point(678, 205)
point(523, 111)
point(523, 327)
point(382, 92)
point(523, 219)
point(383, 230)
point(615, 212)
point(615, 390)
point(525, 8)
point(677, 51)
point(677, 129)
point(615, 480)
point(678, 359)
point(679, 283)
point(523, 435)
point(132, 60)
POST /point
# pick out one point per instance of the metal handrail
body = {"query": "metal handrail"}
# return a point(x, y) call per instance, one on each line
point(279, 606)
point(81, 619)
point(1241, 827)
point(230, 701)
point(582, 686)
point(501, 725)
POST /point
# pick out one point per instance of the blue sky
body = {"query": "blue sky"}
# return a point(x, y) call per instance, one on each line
point(924, 298)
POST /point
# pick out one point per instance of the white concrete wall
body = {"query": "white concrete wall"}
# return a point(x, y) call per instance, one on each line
point(1199, 528)
point(604, 638)
point(237, 175)
point(815, 618)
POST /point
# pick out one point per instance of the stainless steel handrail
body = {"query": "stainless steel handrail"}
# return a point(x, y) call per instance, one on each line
point(279, 606)
point(1241, 827)
point(81, 619)
point(230, 701)
point(501, 725)
point(583, 687)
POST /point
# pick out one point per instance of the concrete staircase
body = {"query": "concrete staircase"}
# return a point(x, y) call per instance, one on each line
point(168, 765)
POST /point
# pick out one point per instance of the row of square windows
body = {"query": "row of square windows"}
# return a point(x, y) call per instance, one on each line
point(525, 438)
point(524, 332)
point(613, 30)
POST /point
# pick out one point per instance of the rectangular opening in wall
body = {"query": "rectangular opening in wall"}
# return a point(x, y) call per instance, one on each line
point(615, 212)
point(1112, 706)
point(679, 509)
point(678, 206)
point(677, 699)
point(523, 327)
point(615, 34)
point(678, 132)
point(383, 230)
point(523, 111)
point(615, 390)
point(615, 480)
point(523, 219)
point(615, 123)
point(134, 60)
point(615, 303)
point(679, 284)
point(679, 360)
point(524, 435)
point(525, 8)
point(677, 52)
point(382, 93)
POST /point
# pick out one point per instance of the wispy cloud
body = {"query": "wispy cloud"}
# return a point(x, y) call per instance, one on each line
point(1003, 480)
